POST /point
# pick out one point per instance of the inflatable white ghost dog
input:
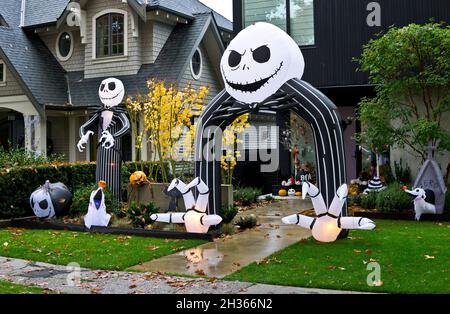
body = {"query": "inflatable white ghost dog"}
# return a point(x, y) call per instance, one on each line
point(97, 215)
point(260, 62)
point(195, 219)
point(424, 201)
point(328, 223)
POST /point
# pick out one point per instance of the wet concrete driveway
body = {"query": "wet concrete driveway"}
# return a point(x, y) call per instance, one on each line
point(227, 255)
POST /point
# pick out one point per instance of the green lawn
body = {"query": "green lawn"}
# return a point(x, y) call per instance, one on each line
point(414, 258)
point(12, 288)
point(97, 251)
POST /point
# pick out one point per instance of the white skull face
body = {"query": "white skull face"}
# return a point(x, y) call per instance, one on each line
point(111, 92)
point(41, 203)
point(258, 61)
point(291, 192)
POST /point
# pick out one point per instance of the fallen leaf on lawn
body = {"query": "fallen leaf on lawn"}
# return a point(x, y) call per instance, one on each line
point(378, 283)
point(152, 247)
point(341, 268)
point(243, 290)
point(331, 267)
point(200, 272)
point(5, 244)
point(429, 256)
point(357, 251)
point(368, 252)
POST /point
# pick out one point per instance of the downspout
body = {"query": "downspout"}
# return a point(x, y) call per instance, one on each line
point(22, 13)
point(69, 95)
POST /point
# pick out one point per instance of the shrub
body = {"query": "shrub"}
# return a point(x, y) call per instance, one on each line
point(228, 213)
point(81, 198)
point(17, 183)
point(369, 201)
point(246, 195)
point(393, 199)
point(402, 172)
point(16, 157)
point(247, 222)
point(269, 198)
point(139, 214)
point(354, 200)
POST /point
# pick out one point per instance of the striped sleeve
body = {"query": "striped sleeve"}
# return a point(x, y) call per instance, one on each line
point(93, 121)
point(125, 125)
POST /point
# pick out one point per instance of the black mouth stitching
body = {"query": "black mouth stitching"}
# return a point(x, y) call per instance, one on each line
point(112, 97)
point(253, 87)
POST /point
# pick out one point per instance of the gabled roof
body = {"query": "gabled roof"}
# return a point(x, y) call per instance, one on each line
point(169, 65)
point(40, 75)
point(38, 14)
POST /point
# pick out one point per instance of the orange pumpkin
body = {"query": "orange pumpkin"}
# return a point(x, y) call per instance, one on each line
point(282, 192)
point(298, 193)
point(102, 184)
point(138, 177)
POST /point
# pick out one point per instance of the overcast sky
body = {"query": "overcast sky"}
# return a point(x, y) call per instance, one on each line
point(224, 7)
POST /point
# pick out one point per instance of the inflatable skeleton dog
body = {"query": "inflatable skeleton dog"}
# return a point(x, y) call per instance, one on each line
point(424, 201)
point(328, 223)
point(97, 215)
point(112, 123)
point(195, 218)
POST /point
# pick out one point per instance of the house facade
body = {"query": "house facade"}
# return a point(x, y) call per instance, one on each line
point(330, 34)
point(54, 54)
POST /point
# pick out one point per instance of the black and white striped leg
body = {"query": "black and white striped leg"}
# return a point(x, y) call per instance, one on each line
point(176, 218)
point(356, 223)
point(297, 219)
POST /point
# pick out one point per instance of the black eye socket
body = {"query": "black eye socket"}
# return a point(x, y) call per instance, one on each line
point(43, 204)
point(234, 59)
point(111, 86)
point(261, 54)
point(102, 87)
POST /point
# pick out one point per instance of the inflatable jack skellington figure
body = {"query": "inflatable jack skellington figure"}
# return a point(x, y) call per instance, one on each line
point(195, 218)
point(328, 223)
point(112, 124)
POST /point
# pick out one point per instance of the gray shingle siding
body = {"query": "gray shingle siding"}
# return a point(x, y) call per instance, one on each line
point(76, 61)
point(12, 87)
point(154, 35)
point(208, 76)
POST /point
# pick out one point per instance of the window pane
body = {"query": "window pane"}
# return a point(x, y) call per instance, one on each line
point(302, 21)
point(102, 36)
point(272, 11)
point(64, 44)
point(2, 71)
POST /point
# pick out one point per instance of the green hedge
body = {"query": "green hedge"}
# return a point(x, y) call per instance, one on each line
point(17, 183)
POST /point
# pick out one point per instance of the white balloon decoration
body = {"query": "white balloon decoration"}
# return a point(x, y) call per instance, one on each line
point(97, 215)
point(328, 223)
point(259, 61)
point(195, 218)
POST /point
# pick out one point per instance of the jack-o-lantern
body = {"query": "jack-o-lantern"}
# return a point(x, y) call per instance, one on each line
point(298, 193)
point(282, 192)
point(138, 178)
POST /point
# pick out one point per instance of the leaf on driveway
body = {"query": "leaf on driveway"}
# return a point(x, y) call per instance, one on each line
point(429, 256)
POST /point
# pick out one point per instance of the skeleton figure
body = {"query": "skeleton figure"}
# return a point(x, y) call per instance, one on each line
point(112, 123)
point(328, 223)
point(97, 215)
point(195, 219)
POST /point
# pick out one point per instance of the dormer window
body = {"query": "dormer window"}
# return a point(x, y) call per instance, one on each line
point(110, 32)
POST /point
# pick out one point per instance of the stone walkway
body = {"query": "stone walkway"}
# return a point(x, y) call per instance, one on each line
point(225, 256)
point(85, 281)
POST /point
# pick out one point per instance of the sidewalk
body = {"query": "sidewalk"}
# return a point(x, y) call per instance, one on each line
point(225, 256)
point(55, 278)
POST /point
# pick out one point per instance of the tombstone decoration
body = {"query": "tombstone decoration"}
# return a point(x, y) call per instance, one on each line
point(97, 215)
point(328, 223)
point(262, 69)
point(430, 178)
point(112, 123)
point(195, 218)
point(51, 199)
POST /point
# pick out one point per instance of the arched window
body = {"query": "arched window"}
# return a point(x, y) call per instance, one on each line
point(110, 35)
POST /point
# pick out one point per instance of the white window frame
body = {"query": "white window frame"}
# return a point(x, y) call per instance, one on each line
point(72, 42)
point(125, 35)
point(197, 76)
point(3, 79)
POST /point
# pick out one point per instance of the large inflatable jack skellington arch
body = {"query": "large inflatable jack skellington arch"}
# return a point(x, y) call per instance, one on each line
point(262, 69)
point(112, 124)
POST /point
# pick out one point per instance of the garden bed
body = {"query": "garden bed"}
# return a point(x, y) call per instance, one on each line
point(38, 224)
